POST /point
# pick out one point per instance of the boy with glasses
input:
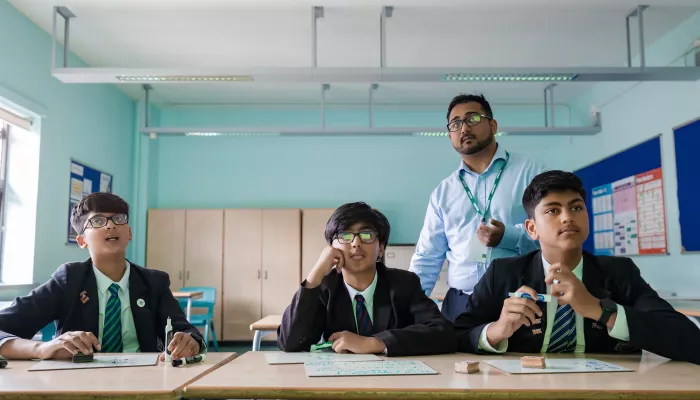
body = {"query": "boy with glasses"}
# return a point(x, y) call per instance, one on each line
point(358, 303)
point(104, 304)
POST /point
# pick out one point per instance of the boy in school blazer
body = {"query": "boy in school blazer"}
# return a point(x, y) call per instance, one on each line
point(358, 303)
point(105, 303)
point(602, 303)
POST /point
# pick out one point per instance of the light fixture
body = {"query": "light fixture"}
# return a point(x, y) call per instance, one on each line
point(534, 77)
point(437, 133)
point(183, 78)
point(210, 134)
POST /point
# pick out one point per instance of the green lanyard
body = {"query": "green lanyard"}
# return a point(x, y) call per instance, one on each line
point(493, 190)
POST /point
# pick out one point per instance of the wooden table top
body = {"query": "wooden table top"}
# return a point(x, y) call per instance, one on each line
point(251, 377)
point(690, 308)
point(269, 323)
point(185, 295)
point(156, 382)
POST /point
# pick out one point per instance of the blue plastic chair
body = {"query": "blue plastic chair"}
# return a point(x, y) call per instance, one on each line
point(205, 320)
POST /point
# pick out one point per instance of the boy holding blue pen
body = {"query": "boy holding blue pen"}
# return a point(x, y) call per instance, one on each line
point(597, 304)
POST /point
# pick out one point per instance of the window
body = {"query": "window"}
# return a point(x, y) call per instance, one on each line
point(4, 135)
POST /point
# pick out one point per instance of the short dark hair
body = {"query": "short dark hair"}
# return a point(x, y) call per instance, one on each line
point(350, 214)
point(98, 203)
point(548, 182)
point(470, 98)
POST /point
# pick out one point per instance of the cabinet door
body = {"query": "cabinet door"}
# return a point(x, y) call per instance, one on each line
point(204, 254)
point(165, 244)
point(281, 259)
point(313, 241)
point(242, 272)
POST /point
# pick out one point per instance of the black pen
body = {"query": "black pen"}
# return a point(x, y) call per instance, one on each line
point(189, 360)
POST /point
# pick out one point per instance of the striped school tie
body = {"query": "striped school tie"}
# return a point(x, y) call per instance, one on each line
point(563, 339)
point(364, 323)
point(112, 331)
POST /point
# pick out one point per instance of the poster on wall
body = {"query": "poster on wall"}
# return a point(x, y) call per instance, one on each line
point(83, 181)
point(629, 217)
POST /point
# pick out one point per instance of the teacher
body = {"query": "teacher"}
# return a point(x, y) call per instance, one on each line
point(475, 215)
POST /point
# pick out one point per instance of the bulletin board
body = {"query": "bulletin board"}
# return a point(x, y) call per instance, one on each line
point(83, 181)
point(624, 193)
point(687, 142)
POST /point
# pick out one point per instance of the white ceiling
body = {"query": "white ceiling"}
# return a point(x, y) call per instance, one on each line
point(434, 33)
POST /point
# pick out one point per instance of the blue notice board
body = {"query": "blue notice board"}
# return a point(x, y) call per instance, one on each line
point(687, 142)
point(83, 181)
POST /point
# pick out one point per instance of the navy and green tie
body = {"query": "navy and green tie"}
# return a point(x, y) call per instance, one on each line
point(364, 323)
point(112, 331)
point(563, 338)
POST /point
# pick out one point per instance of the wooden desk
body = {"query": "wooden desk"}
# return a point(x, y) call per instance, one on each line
point(266, 325)
point(654, 377)
point(160, 381)
point(189, 296)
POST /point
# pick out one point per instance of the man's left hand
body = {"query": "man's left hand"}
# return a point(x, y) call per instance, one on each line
point(344, 342)
point(183, 345)
point(570, 290)
point(491, 235)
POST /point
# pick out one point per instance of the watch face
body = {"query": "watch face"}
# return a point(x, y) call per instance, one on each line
point(609, 305)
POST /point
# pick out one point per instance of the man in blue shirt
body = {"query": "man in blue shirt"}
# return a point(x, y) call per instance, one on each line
point(474, 215)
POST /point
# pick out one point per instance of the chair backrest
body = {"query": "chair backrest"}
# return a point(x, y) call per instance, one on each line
point(207, 300)
point(48, 332)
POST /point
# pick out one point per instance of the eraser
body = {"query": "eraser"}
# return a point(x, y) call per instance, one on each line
point(467, 367)
point(83, 358)
point(532, 362)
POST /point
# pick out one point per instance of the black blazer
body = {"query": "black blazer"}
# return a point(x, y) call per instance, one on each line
point(405, 319)
point(653, 324)
point(58, 300)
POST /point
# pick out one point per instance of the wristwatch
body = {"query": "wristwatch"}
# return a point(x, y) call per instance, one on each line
point(609, 308)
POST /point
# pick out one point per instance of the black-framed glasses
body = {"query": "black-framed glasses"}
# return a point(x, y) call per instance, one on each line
point(470, 120)
point(100, 221)
point(365, 237)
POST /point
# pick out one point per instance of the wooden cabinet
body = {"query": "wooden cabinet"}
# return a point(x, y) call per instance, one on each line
point(313, 241)
point(262, 256)
point(204, 254)
point(242, 272)
point(165, 244)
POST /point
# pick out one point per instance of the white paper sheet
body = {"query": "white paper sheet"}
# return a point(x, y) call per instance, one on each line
point(559, 366)
point(367, 368)
point(100, 361)
point(279, 357)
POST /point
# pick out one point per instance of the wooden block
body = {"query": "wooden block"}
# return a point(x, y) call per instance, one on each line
point(532, 362)
point(467, 367)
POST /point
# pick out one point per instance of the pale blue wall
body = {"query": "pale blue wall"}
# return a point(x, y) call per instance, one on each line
point(635, 112)
point(91, 123)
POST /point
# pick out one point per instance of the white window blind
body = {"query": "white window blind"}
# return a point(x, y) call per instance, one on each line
point(14, 119)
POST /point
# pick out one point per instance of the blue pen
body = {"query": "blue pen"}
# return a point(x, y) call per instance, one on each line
point(540, 297)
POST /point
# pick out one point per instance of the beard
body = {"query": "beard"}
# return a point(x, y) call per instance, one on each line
point(479, 146)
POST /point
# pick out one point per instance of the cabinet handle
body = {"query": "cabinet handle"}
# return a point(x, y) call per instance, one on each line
point(187, 275)
point(265, 274)
point(258, 274)
point(179, 275)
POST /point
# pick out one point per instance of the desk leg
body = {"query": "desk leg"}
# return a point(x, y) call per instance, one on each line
point(189, 308)
point(257, 339)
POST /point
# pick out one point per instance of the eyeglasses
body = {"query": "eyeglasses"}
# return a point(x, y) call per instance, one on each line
point(100, 221)
point(348, 237)
point(470, 120)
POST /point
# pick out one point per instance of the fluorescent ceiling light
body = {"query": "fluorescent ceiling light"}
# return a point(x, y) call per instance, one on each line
point(182, 78)
point(377, 75)
point(510, 77)
point(209, 134)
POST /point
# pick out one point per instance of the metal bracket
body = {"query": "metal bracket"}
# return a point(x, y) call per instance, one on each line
point(67, 15)
point(549, 117)
point(316, 13)
point(147, 100)
point(639, 13)
point(387, 12)
point(324, 88)
point(372, 88)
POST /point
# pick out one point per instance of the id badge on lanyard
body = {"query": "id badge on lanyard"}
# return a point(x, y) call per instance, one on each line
point(477, 251)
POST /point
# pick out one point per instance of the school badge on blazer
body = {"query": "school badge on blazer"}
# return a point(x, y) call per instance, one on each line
point(84, 297)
